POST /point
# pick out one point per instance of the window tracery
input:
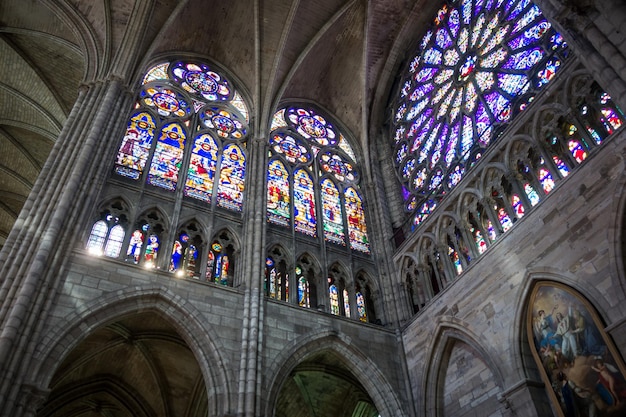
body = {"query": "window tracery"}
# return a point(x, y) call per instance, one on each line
point(477, 67)
point(312, 179)
point(200, 123)
point(108, 232)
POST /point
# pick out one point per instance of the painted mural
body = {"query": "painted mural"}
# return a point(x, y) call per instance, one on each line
point(576, 357)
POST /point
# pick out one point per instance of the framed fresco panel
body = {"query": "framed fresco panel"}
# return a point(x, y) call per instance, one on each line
point(582, 370)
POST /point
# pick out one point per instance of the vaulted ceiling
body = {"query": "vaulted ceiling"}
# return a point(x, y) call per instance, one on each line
point(340, 54)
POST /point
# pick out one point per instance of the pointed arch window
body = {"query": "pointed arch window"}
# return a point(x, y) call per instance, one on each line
point(200, 123)
point(312, 179)
point(303, 289)
point(107, 234)
point(477, 67)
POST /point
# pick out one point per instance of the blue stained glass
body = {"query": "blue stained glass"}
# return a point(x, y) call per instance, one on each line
point(524, 60)
point(401, 153)
point(429, 143)
point(135, 147)
point(467, 11)
point(415, 110)
point(334, 299)
point(530, 36)
point(452, 145)
point(560, 165)
point(473, 79)
point(456, 176)
point(406, 88)
point(304, 203)
point(331, 213)
point(168, 157)
point(436, 180)
point(505, 220)
point(530, 16)
point(422, 135)
point(432, 56)
point(357, 229)
point(278, 200)
point(360, 307)
point(467, 136)
point(424, 212)
point(334, 164)
point(548, 72)
point(453, 22)
point(443, 40)
point(419, 121)
point(399, 134)
point(420, 179)
point(202, 165)
point(439, 148)
point(513, 84)
point(483, 123)
point(518, 207)
point(500, 108)
point(231, 182)
point(421, 91)
point(400, 112)
point(408, 168)
point(533, 197)
point(200, 79)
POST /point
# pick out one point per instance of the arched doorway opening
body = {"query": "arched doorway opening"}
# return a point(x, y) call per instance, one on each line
point(137, 366)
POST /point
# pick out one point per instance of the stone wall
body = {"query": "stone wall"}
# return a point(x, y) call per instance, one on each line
point(572, 237)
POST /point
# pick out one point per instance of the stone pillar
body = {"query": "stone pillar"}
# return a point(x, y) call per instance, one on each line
point(250, 375)
point(62, 197)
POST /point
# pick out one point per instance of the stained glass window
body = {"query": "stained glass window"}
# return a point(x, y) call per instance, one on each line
point(218, 265)
point(231, 182)
point(479, 65)
point(184, 256)
point(334, 299)
point(136, 144)
point(97, 237)
point(303, 289)
point(182, 102)
point(360, 306)
point(168, 157)
point(346, 303)
point(311, 160)
point(114, 243)
point(518, 207)
point(276, 280)
point(278, 193)
point(304, 203)
point(202, 166)
point(333, 219)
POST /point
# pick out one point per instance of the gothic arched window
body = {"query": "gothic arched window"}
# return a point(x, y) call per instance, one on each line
point(188, 131)
point(476, 68)
point(312, 180)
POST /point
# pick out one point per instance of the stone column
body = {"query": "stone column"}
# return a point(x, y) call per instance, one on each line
point(253, 254)
point(62, 197)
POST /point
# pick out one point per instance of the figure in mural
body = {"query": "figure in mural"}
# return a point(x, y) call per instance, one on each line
point(577, 360)
point(564, 328)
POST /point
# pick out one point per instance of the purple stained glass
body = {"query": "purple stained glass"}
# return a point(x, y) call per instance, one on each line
point(464, 74)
